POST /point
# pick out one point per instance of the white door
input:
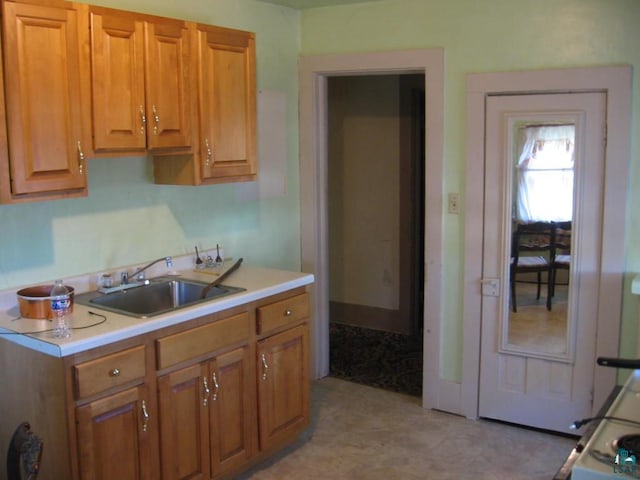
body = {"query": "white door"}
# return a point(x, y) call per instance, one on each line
point(530, 383)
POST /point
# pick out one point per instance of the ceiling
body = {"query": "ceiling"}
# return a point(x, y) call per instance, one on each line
point(303, 4)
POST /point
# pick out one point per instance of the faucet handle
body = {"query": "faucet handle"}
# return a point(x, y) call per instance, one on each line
point(168, 261)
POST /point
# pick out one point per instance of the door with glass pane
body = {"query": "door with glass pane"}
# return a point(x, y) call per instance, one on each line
point(544, 166)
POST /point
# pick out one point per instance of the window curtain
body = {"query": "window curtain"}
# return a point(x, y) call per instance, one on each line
point(544, 173)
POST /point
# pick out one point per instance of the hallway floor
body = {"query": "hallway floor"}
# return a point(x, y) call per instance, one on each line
point(379, 359)
point(364, 433)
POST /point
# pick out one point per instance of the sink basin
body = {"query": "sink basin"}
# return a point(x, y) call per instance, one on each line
point(159, 296)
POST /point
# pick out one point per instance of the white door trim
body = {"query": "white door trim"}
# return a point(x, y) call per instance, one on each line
point(314, 71)
point(616, 82)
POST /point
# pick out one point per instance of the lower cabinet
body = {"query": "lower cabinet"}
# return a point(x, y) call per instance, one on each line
point(207, 416)
point(283, 386)
point(114, 437)
point(204, 399)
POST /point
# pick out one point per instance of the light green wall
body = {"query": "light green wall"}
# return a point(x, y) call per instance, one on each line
point(489, 36)
point(127, 219)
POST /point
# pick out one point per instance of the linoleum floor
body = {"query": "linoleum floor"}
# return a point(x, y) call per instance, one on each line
point(365, 433)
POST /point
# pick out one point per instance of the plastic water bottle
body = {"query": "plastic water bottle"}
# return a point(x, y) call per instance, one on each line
point(60, 305)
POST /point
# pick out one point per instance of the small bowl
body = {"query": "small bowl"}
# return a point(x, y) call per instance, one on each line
point(35, 302)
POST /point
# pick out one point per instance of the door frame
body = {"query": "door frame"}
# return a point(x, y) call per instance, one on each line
point(314, 71)
point(616, 83)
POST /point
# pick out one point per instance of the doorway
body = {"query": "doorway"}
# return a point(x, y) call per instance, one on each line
point(376, 229)
point(315, 70)
point(613, 83)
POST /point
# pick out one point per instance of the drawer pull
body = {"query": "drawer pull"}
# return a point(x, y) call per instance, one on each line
point(216, 387)
point(288, 313)
point(265, 367)
point(115, 372)
point(205, 392)
point(145, 417)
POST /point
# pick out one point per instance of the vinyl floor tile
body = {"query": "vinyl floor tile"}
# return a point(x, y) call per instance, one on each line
point(365, 433)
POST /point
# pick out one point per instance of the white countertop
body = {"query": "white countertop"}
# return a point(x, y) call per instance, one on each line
point(35, 334)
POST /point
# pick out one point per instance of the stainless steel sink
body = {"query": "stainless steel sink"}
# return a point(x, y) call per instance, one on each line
point(159, 296)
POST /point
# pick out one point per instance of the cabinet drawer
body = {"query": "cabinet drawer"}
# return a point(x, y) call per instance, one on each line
point(202, 340)
point(279, 314)
point(110, 371)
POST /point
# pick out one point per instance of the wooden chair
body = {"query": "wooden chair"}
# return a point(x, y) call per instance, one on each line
point(24, 454)
point(531, 252)
point(561, 251)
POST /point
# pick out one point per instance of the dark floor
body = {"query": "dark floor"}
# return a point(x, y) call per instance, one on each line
point(380, 359)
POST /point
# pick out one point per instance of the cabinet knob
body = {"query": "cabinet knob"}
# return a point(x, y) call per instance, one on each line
point(115, 372)
point(288, 313)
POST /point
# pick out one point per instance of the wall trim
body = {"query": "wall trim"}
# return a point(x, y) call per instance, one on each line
point(314, 70)
point(616, 82)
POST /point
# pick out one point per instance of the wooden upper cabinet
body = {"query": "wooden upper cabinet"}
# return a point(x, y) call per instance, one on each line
point(42, 75)
point(140, 78)
point(225, 139)
point(226, 102)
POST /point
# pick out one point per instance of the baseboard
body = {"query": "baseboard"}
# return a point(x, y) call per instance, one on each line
point(367, 317)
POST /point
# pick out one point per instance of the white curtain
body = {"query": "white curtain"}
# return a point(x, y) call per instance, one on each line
point(544, 173)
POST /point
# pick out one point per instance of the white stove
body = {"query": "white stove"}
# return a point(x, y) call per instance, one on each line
point(613, 451)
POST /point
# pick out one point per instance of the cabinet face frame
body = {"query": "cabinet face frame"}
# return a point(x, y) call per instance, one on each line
point(44, 101)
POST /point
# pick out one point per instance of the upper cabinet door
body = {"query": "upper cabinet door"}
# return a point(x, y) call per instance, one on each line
point(227, 102)
point(43, 99)
point(117, 70)
point(167, 82)
point(139, 74)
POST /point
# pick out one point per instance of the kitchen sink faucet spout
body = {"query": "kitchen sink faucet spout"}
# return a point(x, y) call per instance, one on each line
point(124, 276)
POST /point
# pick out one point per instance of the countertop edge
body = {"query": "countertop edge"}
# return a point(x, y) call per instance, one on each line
point(62, 348)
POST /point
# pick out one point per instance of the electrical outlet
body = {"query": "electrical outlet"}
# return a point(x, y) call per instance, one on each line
point(454, 203)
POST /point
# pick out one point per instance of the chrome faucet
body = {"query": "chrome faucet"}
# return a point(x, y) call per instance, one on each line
point(139, 274)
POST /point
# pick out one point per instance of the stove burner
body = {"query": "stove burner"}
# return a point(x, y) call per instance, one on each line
point(631, 443)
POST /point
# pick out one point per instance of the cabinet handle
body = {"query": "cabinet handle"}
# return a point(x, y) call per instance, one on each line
point(156, 119)
point(216, 387)
point(143, 120)
point(209, 152)
point(288, 313)
point(145, 417)
point(115, 372)
point(265, 367)
point(205, 392)
point(80, 159)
